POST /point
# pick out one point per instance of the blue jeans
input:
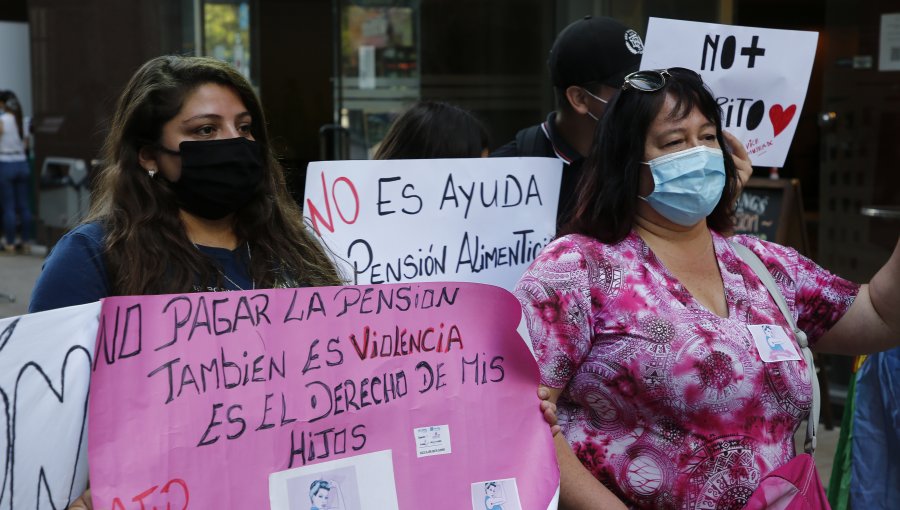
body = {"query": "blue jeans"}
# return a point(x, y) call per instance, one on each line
point(14, 184)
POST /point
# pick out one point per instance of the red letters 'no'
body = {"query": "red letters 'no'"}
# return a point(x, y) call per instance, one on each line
point(328, 223)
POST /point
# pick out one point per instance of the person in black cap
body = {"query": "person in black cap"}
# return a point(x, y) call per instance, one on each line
point(588, 63)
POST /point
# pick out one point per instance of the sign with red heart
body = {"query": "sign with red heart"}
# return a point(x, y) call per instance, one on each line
point(781, 117)
point(754, 73)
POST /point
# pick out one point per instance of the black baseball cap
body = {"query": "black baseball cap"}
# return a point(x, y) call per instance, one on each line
point(594, 50)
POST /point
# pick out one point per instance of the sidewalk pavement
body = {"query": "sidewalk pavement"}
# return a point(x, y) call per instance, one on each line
point(17, 276)
point(19, 272)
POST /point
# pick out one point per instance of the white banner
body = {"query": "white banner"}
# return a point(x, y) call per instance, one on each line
point(45, 369)
point(479, 220)
point(758, 75)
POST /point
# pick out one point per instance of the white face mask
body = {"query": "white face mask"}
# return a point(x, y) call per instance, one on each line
point(687, 184)
point(598, 98)
point(604, 101)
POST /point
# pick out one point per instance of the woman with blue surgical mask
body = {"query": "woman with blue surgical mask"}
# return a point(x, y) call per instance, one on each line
point(644, 318)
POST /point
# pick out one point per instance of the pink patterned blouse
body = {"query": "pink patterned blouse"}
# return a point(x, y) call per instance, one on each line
point(666, 403)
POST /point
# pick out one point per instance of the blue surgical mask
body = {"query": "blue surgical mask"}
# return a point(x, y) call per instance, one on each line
point(687, 184)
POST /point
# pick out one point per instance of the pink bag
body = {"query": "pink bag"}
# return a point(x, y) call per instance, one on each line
point(795, 485)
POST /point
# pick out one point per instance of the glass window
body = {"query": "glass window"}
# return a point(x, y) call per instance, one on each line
point(227, 34)
point(379, 74)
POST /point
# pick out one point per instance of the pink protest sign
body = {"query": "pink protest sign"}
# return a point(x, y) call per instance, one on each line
point(369, 397)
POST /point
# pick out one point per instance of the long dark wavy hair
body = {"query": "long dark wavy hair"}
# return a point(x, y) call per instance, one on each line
point(607, 202)
point(432, 129)
point(12, 105)
point(147, 248)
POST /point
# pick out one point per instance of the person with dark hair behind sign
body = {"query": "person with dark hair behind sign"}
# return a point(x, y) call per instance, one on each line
point(646, 320)
point(432, 129)
point(587, 63)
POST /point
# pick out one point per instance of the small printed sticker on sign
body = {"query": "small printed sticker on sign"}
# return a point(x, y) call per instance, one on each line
point(434, 440)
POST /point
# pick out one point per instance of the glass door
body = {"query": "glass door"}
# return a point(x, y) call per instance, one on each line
point(378, 69)
point(226, 33)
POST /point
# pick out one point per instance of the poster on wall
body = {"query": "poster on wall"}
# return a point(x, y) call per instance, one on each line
point(758, 75)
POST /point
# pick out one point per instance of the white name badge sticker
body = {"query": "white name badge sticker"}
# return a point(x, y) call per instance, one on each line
point(773, 343)
point(433, 440)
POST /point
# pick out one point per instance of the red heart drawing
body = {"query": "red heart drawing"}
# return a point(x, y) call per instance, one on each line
point(781, 117)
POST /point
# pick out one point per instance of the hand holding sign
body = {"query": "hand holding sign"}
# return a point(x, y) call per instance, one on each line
point(759, 76)
point(741, 159)
point(83, 502)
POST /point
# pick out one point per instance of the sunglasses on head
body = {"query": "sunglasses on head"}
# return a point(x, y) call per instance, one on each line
point(651, 80)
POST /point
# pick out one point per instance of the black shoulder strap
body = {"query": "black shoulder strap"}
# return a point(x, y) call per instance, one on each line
point(528, 141)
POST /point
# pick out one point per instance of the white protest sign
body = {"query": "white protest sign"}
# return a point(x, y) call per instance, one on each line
point(480, 220)
point(45, 370)
point(758, 75)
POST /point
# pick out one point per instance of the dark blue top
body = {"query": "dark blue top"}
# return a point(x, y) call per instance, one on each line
point(75, 270)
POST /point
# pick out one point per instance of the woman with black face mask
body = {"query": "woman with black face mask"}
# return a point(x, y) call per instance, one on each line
point(190, 198)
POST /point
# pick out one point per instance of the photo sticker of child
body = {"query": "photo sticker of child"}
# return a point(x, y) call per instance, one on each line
point(492, 500)
point(337, 485)
point(777, 345)
point(497, 494)
point(320, 493)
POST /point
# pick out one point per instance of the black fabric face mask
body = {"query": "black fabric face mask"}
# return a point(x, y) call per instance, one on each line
point(218, 177)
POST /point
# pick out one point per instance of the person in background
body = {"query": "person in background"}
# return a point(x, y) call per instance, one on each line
point(15, 177)
point(432, 129)
point(587, 62)
point(642, 316)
